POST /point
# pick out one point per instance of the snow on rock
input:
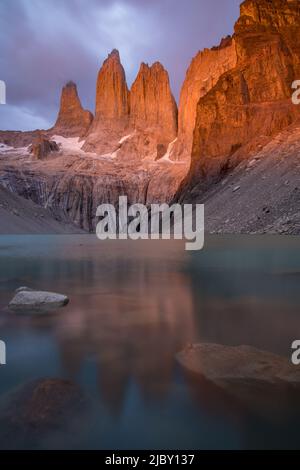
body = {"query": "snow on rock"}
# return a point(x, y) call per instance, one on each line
point(5, 148)
point(71, 144)
point(126, 137)
point(166, 157)
point(111, 156)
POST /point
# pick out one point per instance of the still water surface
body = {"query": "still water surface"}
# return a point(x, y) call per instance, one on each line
point(133, 306)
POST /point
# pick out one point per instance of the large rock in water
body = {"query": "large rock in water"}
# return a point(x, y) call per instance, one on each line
point(42, 147)
point(40, 413)
point(72, 120)
point(253, 99)
point(30, 301)
point(249, 374)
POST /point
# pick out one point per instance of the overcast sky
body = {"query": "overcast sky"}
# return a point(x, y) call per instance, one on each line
point(45, 43)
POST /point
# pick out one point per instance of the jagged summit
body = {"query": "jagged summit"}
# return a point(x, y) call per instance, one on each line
point(71, 84)
point(114, 54)
point(151, 101)
point(149, 107)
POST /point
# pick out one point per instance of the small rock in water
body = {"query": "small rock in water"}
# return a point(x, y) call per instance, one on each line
point(31, 301)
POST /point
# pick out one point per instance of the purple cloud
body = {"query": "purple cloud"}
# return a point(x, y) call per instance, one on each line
point(45, 43)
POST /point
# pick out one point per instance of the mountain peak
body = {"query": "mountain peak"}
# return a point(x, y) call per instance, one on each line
point(151, 101)
point(114, 54)
point(72, 119)
point(112, 98)
point(157, 66)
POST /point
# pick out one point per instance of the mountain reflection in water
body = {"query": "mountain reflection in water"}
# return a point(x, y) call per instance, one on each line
point(133, 306)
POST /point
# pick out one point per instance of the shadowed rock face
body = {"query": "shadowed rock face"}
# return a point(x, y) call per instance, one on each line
point(19, 139)
point(252, 100)
point(21, 216)
point(72, 119)
point(73, 184)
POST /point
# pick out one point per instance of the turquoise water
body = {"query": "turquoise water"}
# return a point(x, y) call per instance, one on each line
point(133, 306)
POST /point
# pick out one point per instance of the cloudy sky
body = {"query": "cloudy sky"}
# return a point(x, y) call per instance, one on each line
point(45, 43)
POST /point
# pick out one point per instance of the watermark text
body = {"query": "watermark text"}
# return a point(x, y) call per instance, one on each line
point(154, 222)
point(2, 92)
point(296, 94)
point(2, 353)
point(296, 352)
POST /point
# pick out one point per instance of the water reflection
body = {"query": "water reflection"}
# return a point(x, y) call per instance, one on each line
point(129, 313)
point(133, 307)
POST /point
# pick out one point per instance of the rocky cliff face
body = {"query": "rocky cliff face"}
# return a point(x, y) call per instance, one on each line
point(20, 216)
point(252, 101)
point(153, 115)
point(72, 120)
point(152, 104)
point(112, 107)
point(202, 75)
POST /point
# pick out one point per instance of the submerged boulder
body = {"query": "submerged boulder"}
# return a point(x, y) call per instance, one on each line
point(31, 301)
point(224, 364)
point(39, 413)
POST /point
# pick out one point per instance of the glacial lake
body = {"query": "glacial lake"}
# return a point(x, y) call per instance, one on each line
point(133, 306)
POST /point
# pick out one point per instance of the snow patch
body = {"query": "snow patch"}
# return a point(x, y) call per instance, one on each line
point(71, 144)
point(166, 157)
point(111, 156)
point(126, 137)
point(6, 150)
